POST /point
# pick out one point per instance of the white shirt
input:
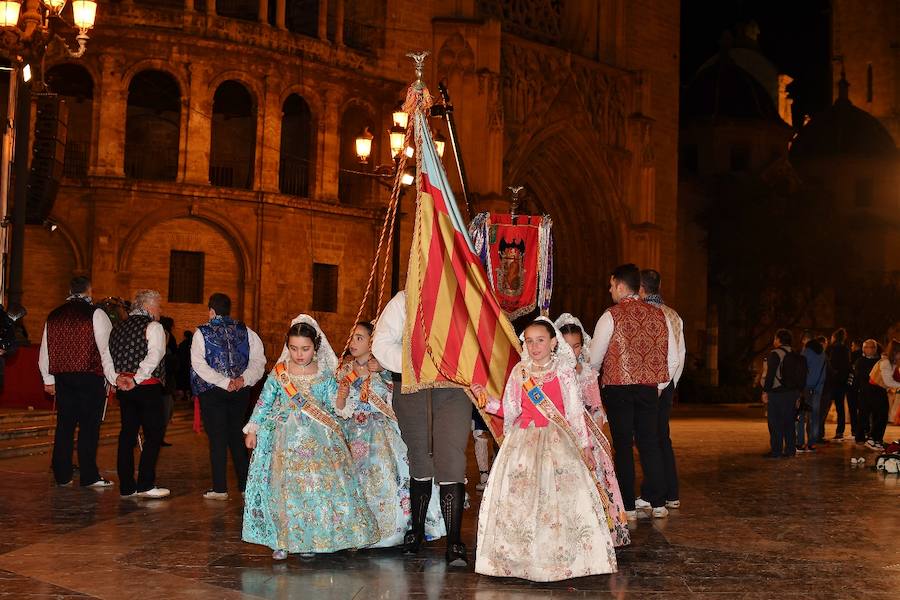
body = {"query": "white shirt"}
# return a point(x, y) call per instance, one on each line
point(887, 374)
point(156, 351)
point(102, 329)
point(387, 342)
point(603, 332)
point(676, 342)
point(256, 368)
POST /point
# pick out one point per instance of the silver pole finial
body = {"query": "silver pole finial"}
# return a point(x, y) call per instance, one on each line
point(419, 60)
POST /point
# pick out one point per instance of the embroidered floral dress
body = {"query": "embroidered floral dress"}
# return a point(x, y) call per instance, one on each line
point(380, 457)
point(541, 517)
point(589, 389)
point(301, 493)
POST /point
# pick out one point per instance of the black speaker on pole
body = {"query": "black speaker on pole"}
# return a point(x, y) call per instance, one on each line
point(47, 157)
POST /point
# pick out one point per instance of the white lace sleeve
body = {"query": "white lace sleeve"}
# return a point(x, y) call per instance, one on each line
point(568, 383)
point(512, 400)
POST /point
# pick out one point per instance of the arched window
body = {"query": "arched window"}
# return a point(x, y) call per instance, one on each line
point(74, 85)
point(233, 146)
point(152, 126)
point(352, 188)
point(302, 16)
point(296, 141)
point(247, 10)
point(364, 24)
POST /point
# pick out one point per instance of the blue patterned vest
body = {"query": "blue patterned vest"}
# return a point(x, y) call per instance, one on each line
point(227, 350)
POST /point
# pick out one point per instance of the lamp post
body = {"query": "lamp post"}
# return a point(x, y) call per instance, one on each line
point(27, 30)
point(385, 175)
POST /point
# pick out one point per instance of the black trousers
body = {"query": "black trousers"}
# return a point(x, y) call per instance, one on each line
point(223, 414)
point(853, 409)
point(142, 408)
point(838, 393)
point(633, 412)
point(782, 415)
point(873, 409)
point(80, 398)
point(877, 405)
point(670, 472)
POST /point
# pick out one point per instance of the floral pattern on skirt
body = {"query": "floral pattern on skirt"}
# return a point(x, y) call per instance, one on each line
point(541, 517)
point(301, 494)
point(381, 466)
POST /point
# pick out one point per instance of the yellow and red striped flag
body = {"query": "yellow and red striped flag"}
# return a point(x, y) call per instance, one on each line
point(456, 333)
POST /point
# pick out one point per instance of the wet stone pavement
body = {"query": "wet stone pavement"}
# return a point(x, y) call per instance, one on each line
point(808, 527)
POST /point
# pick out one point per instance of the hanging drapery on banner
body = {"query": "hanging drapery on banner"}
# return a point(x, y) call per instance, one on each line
point(517, 253)
point(456, 333)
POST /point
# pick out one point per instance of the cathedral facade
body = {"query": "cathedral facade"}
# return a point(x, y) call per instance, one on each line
point(211, 146)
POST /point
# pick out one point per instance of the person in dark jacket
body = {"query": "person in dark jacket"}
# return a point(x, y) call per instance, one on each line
point(781, 400)
point(839, 366)
point(868, 394)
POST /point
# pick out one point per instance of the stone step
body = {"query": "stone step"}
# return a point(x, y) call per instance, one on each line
point(27, 446)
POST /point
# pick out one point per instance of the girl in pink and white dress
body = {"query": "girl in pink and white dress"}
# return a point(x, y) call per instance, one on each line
point(595, 418)
point(542, 517)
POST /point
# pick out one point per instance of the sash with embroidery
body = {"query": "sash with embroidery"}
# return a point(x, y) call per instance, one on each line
point(546, 407)
point(366, 395)
point(307, 405)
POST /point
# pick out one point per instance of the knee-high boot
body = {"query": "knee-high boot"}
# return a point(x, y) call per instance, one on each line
point(419, 497)
point(453, 498)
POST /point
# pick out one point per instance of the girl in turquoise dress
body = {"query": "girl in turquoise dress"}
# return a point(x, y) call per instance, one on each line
point(379, 454)
point(302, 496)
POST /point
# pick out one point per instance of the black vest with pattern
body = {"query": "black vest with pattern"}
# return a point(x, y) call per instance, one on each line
point(128, 346)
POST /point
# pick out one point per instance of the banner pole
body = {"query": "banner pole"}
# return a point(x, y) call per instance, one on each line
point(446, 110)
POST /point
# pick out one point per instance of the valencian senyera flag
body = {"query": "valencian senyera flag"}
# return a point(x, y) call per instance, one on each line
point(456, 333)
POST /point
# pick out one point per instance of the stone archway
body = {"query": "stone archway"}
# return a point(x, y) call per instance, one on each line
point(150, 261)
point(566, 178)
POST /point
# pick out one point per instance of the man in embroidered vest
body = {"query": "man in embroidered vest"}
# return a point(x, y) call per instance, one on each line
point(75, 364)
point(227, 359)
point(138, 347)
point(649, 292)
point(631, 343)
point(436, 432)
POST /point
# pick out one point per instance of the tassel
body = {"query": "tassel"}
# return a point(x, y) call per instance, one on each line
point(196, 414)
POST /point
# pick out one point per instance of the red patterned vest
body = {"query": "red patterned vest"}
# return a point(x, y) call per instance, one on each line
point(70, 339)
point(638, 350)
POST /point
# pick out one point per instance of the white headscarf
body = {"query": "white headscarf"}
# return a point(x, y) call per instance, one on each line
point(569, 319)
point(563, 350)
point(325, 356)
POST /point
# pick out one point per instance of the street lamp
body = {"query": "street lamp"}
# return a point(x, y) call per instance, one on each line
point(364, 146)
point(440, 142)
point(27, 29)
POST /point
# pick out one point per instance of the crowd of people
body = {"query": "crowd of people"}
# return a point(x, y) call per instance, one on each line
point(800, 388)
point(341, 459)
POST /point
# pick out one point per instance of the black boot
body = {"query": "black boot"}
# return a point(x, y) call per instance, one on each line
point(453, 498)
point(419, 497)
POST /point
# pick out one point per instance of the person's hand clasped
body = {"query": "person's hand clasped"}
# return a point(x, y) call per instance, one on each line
point(236, 384)
point(50, 389)
point(250, 440)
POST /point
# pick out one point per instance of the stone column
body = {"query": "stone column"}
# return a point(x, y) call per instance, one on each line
point(323, 20)
point(199, 128)
point(339, 22)
point(279, 14)
point(264, 11)
point(188, 5)
point(111, 108)
point(210, 8)
point(328, 155)
point(268, 137)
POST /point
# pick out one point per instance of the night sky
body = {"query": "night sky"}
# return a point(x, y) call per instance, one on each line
point(794, 35)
